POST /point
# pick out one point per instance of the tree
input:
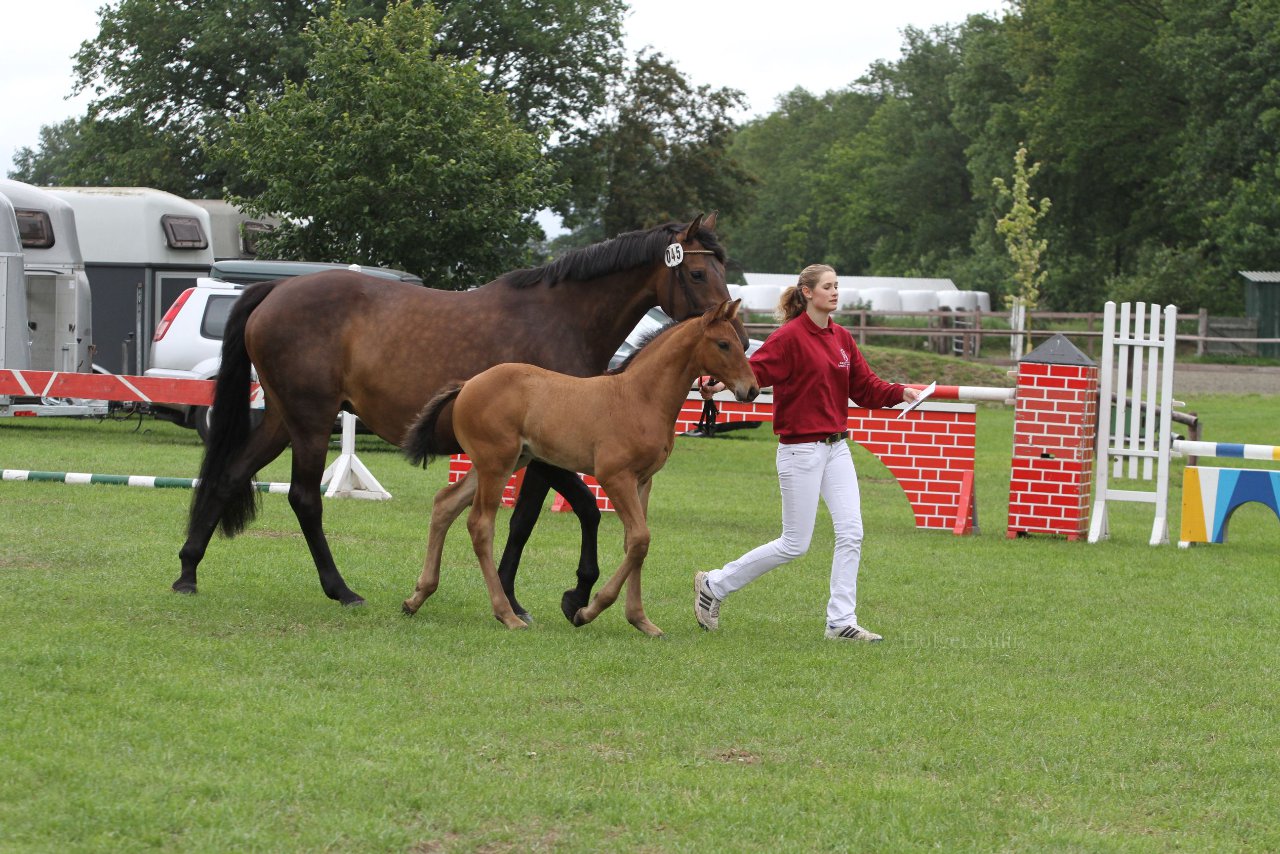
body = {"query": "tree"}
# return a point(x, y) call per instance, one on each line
point(786, 153)
point(175, 73)
point(1018, 227)
point(553, 59)
point(115, 152)
point(391, 154)
point(661, 155)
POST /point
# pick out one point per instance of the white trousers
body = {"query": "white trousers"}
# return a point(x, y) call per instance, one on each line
point(805, 472)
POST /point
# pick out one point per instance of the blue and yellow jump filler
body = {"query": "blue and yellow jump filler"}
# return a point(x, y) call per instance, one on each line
point(1211, 495)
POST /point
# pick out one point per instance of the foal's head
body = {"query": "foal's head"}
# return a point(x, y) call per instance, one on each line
point(721, 354)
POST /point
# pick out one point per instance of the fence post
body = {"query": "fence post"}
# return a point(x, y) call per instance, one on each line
point(1202, 331)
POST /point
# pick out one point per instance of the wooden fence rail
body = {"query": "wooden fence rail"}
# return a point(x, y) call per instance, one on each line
point(962, 333)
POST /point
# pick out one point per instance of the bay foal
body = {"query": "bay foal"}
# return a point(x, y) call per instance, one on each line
point(619, 427)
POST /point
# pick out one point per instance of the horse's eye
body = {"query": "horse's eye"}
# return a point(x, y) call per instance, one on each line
point(723, 345)
point(698, 275)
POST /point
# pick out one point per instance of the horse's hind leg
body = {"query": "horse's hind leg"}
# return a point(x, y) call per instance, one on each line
point(583, 502)
point(447, 506)
point(264, 445)
point(480, 524)
point(305, 499)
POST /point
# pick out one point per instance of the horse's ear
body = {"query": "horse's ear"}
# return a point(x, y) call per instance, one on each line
point(692, 231)
point(729, 310)
point(710, 222)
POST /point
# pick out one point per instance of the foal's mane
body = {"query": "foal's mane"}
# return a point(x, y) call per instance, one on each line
point(645, 341)
point(623, 252)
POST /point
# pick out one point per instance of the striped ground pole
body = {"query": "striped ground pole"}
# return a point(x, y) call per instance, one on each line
point(1227, 450)
point(145, 481)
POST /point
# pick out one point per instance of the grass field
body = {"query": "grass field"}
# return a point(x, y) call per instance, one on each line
point(1031, 694)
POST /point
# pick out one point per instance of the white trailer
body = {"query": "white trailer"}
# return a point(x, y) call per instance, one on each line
point(54, 325)
point(233, 232)
point(142, 248)
point(15, 344)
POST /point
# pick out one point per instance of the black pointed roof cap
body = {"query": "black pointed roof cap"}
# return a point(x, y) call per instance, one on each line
point(1057, 350)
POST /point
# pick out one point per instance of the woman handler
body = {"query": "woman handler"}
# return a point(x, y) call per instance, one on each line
point(815, 369)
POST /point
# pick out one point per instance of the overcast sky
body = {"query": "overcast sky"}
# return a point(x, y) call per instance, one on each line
point(763, 48)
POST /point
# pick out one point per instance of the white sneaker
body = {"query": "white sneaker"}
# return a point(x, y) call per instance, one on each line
point(706, 607)
point(852, 632)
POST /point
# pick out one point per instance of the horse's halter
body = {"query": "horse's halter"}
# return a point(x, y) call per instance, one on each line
point(674, 259)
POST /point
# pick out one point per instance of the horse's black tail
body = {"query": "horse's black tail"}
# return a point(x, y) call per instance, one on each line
point(419, 443)
point(229, 427)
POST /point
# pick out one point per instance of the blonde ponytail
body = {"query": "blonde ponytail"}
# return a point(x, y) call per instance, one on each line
point(792, 303)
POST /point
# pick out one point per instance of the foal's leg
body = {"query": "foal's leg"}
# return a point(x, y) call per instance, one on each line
point(626, 501)
point(447, 507)
point(310, 446)
point(480, 524)
point(635, 607)
point(264, 445)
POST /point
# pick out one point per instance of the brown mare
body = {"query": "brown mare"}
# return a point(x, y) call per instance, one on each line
point(339, 340)
point(619, 427)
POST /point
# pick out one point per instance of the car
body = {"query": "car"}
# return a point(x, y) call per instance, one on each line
point(188, 340)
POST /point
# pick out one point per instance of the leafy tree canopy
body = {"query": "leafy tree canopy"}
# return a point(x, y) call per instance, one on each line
point(174, 73)
point(390, 154)
point(661, 154)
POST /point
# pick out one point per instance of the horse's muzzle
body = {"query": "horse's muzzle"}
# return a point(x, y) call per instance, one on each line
point(746, 395)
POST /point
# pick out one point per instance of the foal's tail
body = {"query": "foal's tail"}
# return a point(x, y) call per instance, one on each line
point(229, 427)
point(419, 443)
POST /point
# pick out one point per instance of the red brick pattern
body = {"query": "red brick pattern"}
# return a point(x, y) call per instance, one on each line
point(1055, 427)
point(929, 452)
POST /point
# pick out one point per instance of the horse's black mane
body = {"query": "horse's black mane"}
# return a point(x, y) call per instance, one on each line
point(600, 259)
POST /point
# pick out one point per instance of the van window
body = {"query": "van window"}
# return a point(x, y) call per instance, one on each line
point(35, 228)
point(216, 310)
point(183, 232)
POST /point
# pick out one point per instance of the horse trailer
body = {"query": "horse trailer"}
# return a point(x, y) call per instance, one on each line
point(59, 302)
point(234, 233)
point(15, 344)
point(142, 248)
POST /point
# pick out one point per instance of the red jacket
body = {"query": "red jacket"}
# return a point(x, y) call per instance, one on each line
point(815, 373)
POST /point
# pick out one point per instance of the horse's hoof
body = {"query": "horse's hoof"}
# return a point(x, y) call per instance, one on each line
point(577, 618)
point(522, 616)
point(570, 604)
point(355, 602)
point(186, 588)
point(408, 609)
point(649, 629)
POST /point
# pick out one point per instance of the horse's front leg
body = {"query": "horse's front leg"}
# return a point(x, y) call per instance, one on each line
point(447, 506)
point(480, 525)
point(624, 492)
point(635, 607)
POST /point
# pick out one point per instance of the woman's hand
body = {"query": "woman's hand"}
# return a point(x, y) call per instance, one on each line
point(909, 394)
point(708, 386)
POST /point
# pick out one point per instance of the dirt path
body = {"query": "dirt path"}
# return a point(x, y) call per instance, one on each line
point(1225, 379)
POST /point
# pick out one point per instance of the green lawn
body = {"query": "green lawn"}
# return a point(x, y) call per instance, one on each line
point(1031, 694)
